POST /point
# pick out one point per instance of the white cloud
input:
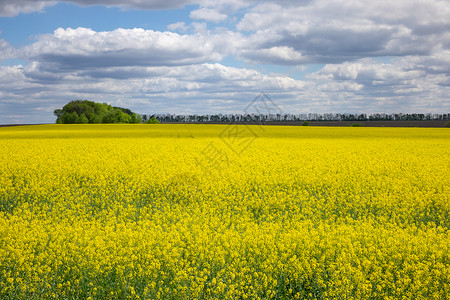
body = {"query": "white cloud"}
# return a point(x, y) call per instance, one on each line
point(326, 31)
point(6, 50)
point(11, 76)
point(178, 26)
point(11, 8)
point(402, 85)
point(82, 48)
point(208, 14)
point(274, 55)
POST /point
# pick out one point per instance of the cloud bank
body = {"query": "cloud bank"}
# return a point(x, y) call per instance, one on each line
point(83, 48)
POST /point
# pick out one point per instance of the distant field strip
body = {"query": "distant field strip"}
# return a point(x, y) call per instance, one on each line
point(224, 212)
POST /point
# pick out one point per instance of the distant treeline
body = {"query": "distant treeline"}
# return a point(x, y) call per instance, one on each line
point(85, 111)
point(229, 118)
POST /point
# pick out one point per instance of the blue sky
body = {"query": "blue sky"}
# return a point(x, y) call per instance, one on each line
point(20, 30)
point(213, 56)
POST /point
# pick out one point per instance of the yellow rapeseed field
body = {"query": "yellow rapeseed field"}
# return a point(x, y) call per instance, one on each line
point(224, 212)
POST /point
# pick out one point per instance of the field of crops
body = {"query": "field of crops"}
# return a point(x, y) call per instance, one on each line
point(224, 211)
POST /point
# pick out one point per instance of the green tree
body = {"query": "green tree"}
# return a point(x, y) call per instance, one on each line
point(83, 119)
point(135, 118)
point(58, 113)
point(152, 120)
point(85, 111)
point(123, 117)
point(69, 118)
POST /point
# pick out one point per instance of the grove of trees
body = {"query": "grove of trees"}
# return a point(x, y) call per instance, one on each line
point(84, 111)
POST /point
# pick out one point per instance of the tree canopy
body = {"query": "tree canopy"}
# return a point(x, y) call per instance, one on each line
point(85, 111)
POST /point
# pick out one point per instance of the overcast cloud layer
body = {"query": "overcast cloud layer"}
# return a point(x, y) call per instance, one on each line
point(309, 56)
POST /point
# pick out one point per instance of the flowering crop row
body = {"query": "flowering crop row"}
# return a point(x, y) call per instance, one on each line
point(213, 211)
